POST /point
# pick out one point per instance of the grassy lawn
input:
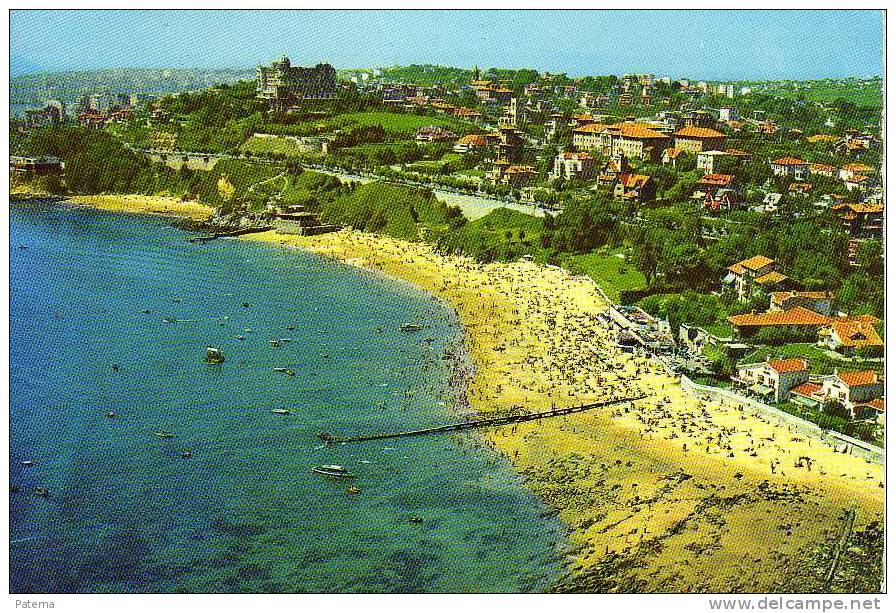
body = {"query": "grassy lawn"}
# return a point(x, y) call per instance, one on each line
point(819, 362)
point(865, 94)
point(613, 274)
point(267, 146)
point(722, 329)
point(400, 123)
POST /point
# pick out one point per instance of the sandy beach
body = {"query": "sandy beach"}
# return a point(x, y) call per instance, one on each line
point(671, 493)
point(147, 205)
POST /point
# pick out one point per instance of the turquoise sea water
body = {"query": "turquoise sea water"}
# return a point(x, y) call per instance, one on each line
point(127, 513)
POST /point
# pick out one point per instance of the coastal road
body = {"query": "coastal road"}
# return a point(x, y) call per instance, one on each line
point(472, 206)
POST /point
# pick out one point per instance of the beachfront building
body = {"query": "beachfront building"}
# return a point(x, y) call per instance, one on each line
point(694, 139)
point(284, 85)
point(754, 274)
point(574, 165)
point(772, 380)
point(36, 165)
point(860, 392)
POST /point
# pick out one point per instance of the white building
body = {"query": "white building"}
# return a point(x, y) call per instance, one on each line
point(773, 379)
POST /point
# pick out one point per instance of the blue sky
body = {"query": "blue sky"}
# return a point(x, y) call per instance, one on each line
point(698, 44)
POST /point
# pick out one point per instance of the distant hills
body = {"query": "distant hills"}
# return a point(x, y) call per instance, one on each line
point(34, 89)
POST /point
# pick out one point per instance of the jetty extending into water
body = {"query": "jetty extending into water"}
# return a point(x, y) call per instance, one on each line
point(204, 238)
point(480, 423)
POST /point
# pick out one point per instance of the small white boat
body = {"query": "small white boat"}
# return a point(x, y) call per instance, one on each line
point(281, 411)
point(164, 434)
point(332, 470)
point(411, 327)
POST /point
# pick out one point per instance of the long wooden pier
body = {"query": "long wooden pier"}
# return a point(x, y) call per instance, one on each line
point(479, 423)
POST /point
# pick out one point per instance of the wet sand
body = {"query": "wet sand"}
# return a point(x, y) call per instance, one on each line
point(670, 493)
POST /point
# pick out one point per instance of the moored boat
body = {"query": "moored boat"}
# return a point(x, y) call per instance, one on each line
point(409, 327)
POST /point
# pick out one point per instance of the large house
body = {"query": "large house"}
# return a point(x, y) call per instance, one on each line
point(587, 137)
point(693, 138)
point(434, 134)
point(284, 85)
point(861, 220)
point(634, 187)
point(518, 176)
point(845, 335)
point(633, 140)
point(820, 302)
point(718, 192)
point(709, 161)
point(575, 165)
point(798, 317)
point(791, 167)
point(754, 274)
point(773, 380)
point(470, 142)
point(860, 392)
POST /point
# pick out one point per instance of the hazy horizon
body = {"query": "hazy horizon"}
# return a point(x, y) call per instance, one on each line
point(693, 44)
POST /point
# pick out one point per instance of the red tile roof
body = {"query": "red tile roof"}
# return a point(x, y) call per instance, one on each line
point(771, 277)
point(790, 365)
point(856, 334)
point(806, 389)
point(716, 180)
point(858, 377)
point(591, 128)
point(477, 140)
point(790, 162)
point(695, 132)
point(754, 263)
point(797, 316)
point(632, 180)
point(877, 403)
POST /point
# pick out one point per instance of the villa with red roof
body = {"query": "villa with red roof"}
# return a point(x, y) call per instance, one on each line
point(791, 167)
point(772, 380)
point(846, 335)
point(692, 138)
point(570, 165)
point(753, 275)
point(861, 392)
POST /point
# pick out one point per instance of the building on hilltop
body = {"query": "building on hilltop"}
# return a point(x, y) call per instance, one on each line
point(284, 85)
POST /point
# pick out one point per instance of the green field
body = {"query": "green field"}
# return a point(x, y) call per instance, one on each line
point(273, 146)
point(862, 93)
point(820, 363)
point(611, 273)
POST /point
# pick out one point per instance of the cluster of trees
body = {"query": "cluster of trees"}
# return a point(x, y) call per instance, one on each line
point(503, 234)
point(96, 162)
